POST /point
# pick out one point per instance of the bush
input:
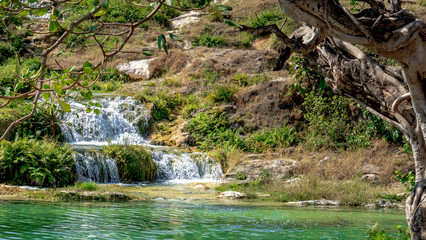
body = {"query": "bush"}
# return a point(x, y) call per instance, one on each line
point(271, 139)
point(267, 18)
point(244, 80)
point(89, 186)
point(224, 94)
point(36, 163)
point(164, 103)
point(379, 234)
point(213, 129)
point(134, 163)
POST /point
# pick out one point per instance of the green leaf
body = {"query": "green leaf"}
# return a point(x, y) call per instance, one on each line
point(40, 12)
point(89, 110)
point(65, 106)
point(93, 28)
point(45, 86)
point(161, 40)
point(98, 105)
point(45, 96)
point(232, 24)
point(100, 13)
point(58, 88)
point(23, 13)
point(97, 111)
point(87, 95)
point(87, 67)
point(60, 52)
point(174, 37)
point(147, 53)
point(53, 26)
point(18, 86)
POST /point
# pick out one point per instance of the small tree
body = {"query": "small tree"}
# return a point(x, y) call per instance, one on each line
point(49, 88)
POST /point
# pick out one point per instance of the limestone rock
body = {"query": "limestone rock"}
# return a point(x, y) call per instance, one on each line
point(263, 195)
point(232, 195)
point(371, 178)
point(9, 190)
point(185, 20)
point(138, 68)
point(275, 170)
point(320, 202)
point(201, 187)
point(384, 203)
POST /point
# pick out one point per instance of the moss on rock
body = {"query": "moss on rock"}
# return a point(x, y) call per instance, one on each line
point(134, 163)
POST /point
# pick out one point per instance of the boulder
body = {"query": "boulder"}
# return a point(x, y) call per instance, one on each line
point(137, 69)
point(232, 195)
point(185, 20)
point(274, 170)
point(371, 178)
point(201, 187)
point(384, 203)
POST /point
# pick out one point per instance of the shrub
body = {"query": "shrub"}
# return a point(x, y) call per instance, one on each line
point(271, 139)
point(164, 103)
point(379, 234)
point(331, 123)
point(36, 163)
point(244, 80)
point(89, 186)
point(224, 93)
point(267, 18)
point(134, 163)
point(212, 129)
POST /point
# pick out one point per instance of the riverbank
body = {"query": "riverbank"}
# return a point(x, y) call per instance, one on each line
point(205, 192)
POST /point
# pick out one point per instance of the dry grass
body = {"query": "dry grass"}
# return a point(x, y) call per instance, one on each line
point(347, 165)
point(168, 63)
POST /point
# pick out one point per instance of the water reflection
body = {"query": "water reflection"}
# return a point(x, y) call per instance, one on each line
point(178, 220)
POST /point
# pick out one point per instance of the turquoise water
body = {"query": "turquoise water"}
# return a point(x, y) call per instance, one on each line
point(186, 220)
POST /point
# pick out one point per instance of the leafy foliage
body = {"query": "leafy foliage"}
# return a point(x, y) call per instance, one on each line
point(89, 186)
point(36, 163)
point(379, 234)
point(408, 180)
point(134, 163)
point(272, 139)
point(212, 129)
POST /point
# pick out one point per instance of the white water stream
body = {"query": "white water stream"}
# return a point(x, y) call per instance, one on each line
point(125, 121)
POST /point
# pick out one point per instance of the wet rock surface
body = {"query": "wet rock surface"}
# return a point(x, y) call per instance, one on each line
point(91, 196)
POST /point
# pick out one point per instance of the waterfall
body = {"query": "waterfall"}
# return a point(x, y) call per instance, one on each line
point(126, 121)
point(94, 166)
point(120, 121)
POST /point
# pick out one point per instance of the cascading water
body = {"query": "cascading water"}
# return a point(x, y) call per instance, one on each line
point(94, 166)
point(121, 121)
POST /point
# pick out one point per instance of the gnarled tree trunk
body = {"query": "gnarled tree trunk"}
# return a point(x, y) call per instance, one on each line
point(397, 95)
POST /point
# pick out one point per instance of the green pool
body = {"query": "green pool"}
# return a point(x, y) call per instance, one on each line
point(186, 220)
